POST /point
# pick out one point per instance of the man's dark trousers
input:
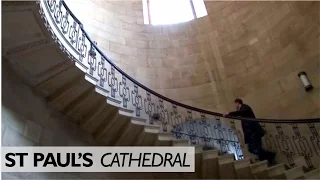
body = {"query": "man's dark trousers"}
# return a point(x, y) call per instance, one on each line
point(255, 147)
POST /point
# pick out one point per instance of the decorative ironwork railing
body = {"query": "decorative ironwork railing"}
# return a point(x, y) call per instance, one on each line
point(293, 138)
point(210, 134)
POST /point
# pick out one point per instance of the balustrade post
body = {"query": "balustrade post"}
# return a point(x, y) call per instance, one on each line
point(285, 145)
point(302, 145)
point(69, 33)
point(136, 100)
point(92, 60)
point(124, 92)
point(113, 82)
point(149, 107)
point(163, 113)
point(314, 138)
point(102, 72)
point(176, 121)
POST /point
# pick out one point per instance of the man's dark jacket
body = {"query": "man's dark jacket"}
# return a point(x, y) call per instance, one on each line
point(250, 128)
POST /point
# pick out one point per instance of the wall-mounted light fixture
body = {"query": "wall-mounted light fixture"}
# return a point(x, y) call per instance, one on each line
point(305, 81)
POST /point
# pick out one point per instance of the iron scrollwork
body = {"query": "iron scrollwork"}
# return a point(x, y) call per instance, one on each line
point(136, 100)
point(65, 23)
point(285, 145)
point(124, 92)
point(199, 131)
point(149, 107)
point(269, 140)
point(163, 115)
point(205, 129)
point(102, 72)
point(314, 138)
point(176, 120)
point(191, 128)
point(74, 34)
point(58, 12)
point(113, 82)
point(82, 49)
point(52, 5)
point(220, 137)
point(92, 59)
point(302, 145)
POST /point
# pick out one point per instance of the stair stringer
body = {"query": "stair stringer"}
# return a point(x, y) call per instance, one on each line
point(148, 130)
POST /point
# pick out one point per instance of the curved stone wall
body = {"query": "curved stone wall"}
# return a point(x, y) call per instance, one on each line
point(251, 50)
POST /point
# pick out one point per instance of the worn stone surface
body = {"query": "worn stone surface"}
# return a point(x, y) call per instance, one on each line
point(12, 120)
point(33, 131)
point(3, 128)
point(14, 138)
point(18, 175)
point(35, 125)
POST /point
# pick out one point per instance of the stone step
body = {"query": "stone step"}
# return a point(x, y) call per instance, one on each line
point(210, 154)
point(180, 142)
point(314, 174)
point(242, 168)
point(152, 129)
point(165, 136)
point(259, 166)
point(294, 173)
point(210, 166)
point(226, 167)
point(271, 172)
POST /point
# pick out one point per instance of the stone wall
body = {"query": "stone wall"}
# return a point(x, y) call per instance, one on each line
point(27, 121)
point(250, 50)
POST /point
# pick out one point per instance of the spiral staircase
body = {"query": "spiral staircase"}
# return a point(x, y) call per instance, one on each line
point(86, 88)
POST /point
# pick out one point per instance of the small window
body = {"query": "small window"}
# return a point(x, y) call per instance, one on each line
point(158, 12)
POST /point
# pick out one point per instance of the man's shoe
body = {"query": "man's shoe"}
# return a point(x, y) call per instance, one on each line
point(271, 158)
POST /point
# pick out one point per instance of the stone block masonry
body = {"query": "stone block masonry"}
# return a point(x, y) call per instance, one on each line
point(245, 49)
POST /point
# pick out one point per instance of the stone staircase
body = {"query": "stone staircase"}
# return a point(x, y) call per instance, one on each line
point(40, 61)
point(211, 165)
point(52, 75)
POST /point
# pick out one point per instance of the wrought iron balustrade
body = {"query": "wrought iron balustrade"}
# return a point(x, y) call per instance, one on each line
point(294, 142)
point(210, 134)
point(290, 137)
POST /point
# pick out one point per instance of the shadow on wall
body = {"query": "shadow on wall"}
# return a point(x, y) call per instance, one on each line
point(28, 121)
point(211, 134)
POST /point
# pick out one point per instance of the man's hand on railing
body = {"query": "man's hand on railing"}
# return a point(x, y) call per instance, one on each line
point(225, 114)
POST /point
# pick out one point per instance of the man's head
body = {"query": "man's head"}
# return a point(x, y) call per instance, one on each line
point(238, 103)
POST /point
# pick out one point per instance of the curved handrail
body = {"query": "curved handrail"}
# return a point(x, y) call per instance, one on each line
point(290, 137)
point(93, 44)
